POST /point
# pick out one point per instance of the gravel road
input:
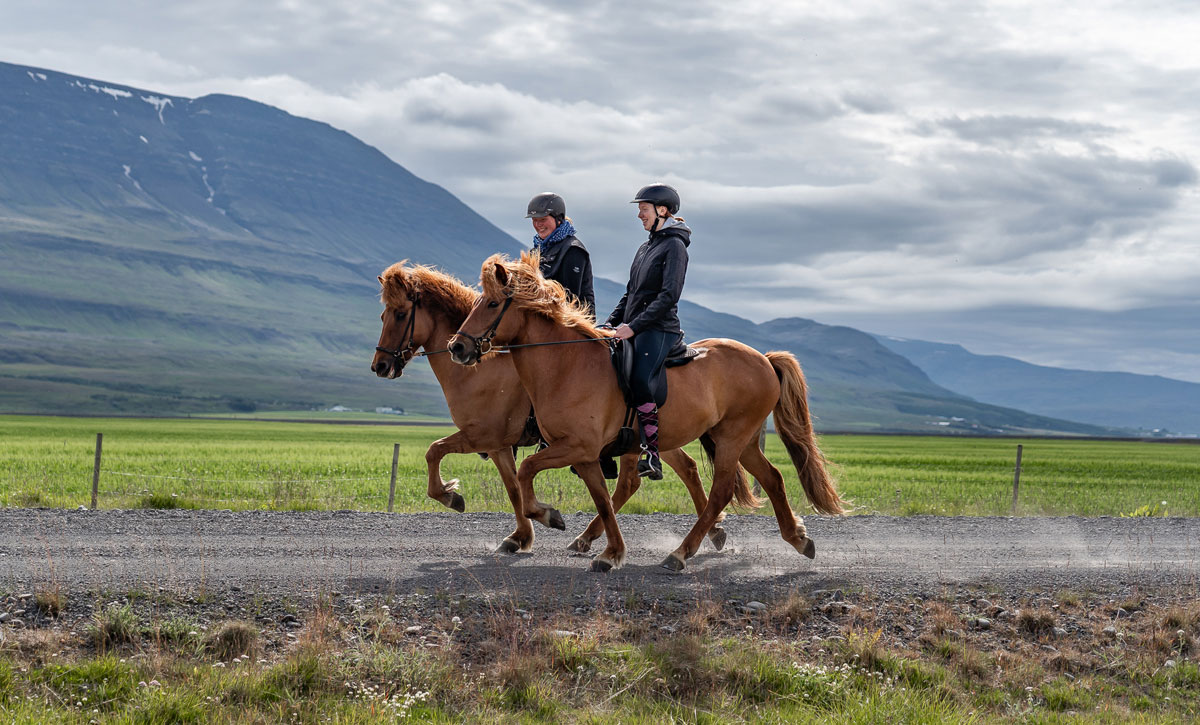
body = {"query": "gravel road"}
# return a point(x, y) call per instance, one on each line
point(300, 555)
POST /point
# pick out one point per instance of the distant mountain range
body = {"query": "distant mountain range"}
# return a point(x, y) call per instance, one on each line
point(170, 255)
point(1153, 404)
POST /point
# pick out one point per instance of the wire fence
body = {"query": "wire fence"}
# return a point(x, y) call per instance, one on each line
point(274, 492)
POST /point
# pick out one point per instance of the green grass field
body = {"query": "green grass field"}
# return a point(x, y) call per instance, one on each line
point(255, 465)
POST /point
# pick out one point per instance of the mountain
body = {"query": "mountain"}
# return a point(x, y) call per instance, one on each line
point(1147, 402)
point(167, 255)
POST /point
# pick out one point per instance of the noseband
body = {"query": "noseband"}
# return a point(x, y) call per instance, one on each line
point(398, 354)
point(483, 343)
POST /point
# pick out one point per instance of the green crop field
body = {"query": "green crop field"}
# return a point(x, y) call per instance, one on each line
point(279, 465)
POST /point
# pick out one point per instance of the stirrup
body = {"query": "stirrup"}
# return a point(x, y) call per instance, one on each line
point(649, 465)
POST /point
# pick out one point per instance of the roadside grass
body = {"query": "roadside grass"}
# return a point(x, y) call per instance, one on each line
point(364, 664)
point(230, 464)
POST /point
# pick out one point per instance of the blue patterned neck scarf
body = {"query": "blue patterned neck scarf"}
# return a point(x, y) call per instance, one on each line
point(563, 231)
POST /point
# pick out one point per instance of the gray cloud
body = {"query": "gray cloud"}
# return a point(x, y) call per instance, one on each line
point(933, 168)
point(989, 129)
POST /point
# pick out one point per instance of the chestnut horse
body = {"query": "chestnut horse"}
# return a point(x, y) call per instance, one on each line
point(423, 307)
point(722, 397)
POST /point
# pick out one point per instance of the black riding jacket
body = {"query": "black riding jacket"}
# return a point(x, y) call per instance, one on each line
point(656, 276)
point(567, 262)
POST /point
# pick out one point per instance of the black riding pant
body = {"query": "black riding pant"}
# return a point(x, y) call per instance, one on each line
point(649, 379)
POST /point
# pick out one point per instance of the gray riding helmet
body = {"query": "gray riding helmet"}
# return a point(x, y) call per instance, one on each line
point(545, 204)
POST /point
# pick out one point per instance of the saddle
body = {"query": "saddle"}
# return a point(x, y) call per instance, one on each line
point(622, 362)
point(621, 355)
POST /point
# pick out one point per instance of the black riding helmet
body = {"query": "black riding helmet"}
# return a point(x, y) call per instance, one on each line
point(545, 204)
point(659, 195)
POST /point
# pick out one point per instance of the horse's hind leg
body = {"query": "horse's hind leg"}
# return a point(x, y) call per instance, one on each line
point(446, 493)
point(685, 467)
point(521, 539)
point(791, 527)
point(725, 473)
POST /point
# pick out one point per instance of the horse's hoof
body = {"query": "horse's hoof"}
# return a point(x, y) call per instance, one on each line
point(457, 503)
point(601, 566)
point(508, 546)
point(580, 545)
point(555, 520)
point(717, 537)
point(810, 549)
point(672, 563)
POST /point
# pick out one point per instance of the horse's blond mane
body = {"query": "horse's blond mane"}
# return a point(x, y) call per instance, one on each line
point(532, 291)
point(432, 287)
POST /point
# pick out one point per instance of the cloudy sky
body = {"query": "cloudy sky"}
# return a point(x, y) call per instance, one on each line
point(1019, 178)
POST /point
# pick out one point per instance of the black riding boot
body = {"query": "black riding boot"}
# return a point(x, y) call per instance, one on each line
point(649, 465)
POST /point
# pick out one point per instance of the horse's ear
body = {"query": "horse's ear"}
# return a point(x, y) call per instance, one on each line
point(380, 278)
point(501, 274)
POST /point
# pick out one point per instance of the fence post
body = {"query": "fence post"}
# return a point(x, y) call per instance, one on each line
point(1016, 480)
point(392, 488)
point(96, 470)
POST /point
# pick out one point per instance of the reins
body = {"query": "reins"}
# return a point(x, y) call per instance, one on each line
point(506, 348)
point(480, 341)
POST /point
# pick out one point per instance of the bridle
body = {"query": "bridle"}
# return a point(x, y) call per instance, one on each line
point(398, 354)
point(483, 343)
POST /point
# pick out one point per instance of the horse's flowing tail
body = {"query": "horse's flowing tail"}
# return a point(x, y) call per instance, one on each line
point(742, 493)
point(794, 425)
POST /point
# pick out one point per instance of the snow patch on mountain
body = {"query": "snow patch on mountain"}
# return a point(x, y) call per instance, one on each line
point(129, 175)
point(158, 103)
point(116, 93)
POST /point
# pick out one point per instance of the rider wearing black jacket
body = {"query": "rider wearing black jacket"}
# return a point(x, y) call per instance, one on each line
point(564, 259)
point(648, 315)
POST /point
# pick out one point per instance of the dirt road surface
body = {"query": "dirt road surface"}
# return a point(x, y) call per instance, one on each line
point(300, 555)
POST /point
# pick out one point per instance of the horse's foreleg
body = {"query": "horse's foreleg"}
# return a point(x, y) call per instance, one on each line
point(446, 493)
point(791, 527)
point(724, 479)
point(627, 485)
point(685, 467)
point(521, 539)
point(534, 509)
point(613, 555)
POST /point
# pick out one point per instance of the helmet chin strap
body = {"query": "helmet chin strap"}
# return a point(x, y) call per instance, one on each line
point(660, 219)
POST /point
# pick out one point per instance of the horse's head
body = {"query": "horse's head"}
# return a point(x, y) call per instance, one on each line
point(494, 318)
point(512, 292)
point(405, 329)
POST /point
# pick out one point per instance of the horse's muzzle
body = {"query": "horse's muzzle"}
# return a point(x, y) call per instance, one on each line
point(386, 368)
point(461, 352)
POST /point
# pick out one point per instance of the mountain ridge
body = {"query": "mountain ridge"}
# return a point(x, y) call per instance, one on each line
point(190, 255)
point(1149, 402)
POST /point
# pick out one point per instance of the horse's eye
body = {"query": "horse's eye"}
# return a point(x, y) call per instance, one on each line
point(493, 304)
point(399, 315)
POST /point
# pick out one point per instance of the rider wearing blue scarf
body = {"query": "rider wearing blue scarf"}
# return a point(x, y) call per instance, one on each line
point(564, 259)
